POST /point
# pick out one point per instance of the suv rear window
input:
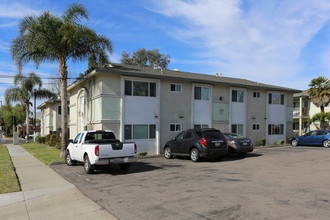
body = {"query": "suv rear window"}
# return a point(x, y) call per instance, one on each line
point(213, 134)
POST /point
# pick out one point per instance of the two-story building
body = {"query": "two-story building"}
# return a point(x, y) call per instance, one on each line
point(150, 106)
point(51, 117)
point(303, 110)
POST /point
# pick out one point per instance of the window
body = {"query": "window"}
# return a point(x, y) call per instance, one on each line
point(202, 93)
point(237, 96)
point(199, 126)
point(59, 110)
point(188, 135)
point(275, 129)
point(256, 127)
point(321, 133)
point(175, 87)
point(174, 127)
point(305, 104)
point(139, 131)
point(275, 99)
point(237, 129)
point(76, 139)
point(128, 132)
point(256, 95)
point(139, 88)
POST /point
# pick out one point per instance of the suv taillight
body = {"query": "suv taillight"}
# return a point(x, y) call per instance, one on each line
point(97, 150)
point(203, 141)
point(135, 149)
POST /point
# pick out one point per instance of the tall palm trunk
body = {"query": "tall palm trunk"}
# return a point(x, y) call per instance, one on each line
point(64, 97)
point(27, 111)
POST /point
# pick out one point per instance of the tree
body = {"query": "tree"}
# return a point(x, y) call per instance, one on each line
point(52, 38)
point(27, 88)
point(320, 120)
point(8, 112)
point(145, 58)
point(319, 92)
point(98, 60)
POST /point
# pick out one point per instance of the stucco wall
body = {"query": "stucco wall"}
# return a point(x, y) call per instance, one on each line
point(175, 107)
point(256, 113)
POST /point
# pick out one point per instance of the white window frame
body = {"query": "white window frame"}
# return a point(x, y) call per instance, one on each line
point(237, 95)
point(203, 88)
point(273, 127)
point(201, 126)
point(176, 87)
point(257, 127)
point(132, 131)
point(256, 95)
point(175, 126)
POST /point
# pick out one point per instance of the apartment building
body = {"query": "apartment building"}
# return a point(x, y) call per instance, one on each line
point(150, 106)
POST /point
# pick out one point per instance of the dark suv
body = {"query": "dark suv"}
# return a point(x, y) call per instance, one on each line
point(197, 143)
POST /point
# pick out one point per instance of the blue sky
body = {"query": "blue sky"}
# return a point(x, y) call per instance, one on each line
point(284, 43)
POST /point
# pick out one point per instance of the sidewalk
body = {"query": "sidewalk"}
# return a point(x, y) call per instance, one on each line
point(45, 195)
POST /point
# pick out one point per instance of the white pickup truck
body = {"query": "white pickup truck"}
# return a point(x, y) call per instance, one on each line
point(99, 147)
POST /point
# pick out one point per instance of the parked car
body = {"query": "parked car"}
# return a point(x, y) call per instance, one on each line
point(99, 147)
point(197, 143)
point(316, 137)
point(238, 144)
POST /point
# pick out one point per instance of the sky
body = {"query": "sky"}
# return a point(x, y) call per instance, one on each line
point(283, 43)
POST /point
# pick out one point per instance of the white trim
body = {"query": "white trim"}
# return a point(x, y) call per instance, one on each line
point(209, 101)
point(244, 121)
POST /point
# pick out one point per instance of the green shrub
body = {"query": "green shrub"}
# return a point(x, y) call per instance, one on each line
point(41, 140)
point(142, 154)
point(52, 140)
point(279, 142)
point(261, 142)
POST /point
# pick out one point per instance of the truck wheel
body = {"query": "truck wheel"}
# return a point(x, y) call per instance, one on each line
point(68, 159)
point(89, 168)
point(124, 166)
point(194, 155)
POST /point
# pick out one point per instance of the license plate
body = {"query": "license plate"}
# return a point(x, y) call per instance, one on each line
point(217, 144)
point(245, 143)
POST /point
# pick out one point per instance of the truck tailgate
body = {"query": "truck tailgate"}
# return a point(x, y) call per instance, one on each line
point(116, 150)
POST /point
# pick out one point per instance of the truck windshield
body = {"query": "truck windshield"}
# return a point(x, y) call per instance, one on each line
point(100, 136)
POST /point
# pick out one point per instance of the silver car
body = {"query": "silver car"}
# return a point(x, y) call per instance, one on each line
point(238, 144)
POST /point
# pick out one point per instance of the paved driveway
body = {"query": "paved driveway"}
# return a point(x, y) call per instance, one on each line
point(271, 183)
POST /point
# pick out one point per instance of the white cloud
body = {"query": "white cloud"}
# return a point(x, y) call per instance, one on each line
point(259, 40)
point(16, 10)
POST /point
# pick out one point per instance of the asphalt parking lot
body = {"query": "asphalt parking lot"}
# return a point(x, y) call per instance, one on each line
point(270, 183)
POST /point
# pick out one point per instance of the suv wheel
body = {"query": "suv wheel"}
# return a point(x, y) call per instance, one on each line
point(194, 155)
point(167, 153)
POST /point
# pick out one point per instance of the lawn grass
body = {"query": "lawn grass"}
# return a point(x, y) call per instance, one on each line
point(45, 154)
point(8, 179)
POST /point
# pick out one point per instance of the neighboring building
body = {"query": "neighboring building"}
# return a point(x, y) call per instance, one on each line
point(304, 109)
point(51, 117)
point(150, 106)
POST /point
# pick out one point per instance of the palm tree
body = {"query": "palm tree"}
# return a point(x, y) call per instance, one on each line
point(52, 38)
point(319, 91)
point(26, 88)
